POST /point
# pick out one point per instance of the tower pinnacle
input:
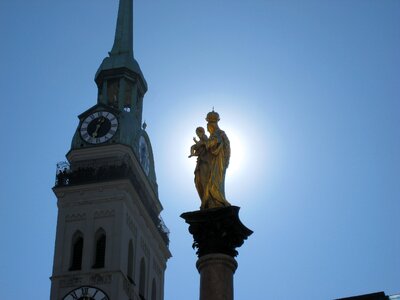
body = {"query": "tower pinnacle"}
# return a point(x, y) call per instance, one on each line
point(121, 55)
point(123, 42)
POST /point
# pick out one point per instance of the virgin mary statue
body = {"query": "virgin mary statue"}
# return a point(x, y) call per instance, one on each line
point(212, 162)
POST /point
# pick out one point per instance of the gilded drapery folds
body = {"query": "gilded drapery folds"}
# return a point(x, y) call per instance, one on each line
point(213, 155)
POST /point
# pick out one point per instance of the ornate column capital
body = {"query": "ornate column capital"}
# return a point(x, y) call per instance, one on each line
point(217, 230)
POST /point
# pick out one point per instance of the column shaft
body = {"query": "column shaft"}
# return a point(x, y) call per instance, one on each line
point(216, 276)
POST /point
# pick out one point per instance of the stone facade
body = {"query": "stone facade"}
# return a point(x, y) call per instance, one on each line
point(116, 208)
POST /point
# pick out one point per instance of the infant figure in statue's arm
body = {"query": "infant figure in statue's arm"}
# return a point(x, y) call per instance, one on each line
point(195, 150)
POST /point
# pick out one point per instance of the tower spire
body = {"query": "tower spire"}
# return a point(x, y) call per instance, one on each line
point(121, 55)
point(123, 42)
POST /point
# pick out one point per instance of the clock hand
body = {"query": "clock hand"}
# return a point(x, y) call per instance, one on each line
point(95, 132)
point(99, 122)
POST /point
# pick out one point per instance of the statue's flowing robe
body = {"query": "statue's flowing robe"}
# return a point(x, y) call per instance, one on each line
point(202, 171)
point(219, 153)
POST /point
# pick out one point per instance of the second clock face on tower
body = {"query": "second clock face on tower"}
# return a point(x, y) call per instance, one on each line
point(99, 127)
point(144, 156)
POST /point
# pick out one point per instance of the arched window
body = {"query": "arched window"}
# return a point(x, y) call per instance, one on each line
point(130, 262)
point(142, 280)
point(76, 251)
point(100, 249)
point(153, 290)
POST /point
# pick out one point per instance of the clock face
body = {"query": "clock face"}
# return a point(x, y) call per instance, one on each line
point(99, 127)
point(144, 155)
point(86, 293)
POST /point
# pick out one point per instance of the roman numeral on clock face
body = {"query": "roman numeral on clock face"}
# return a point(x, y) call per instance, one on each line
point(85, 291)
point(74, 296)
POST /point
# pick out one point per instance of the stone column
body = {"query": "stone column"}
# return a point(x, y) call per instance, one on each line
point(216, 276)
point(216, 233)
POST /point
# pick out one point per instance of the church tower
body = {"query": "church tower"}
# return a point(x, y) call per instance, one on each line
point(111, 243)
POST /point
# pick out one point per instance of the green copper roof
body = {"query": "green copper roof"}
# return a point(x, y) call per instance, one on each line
point(121, 55)
point(123, 41)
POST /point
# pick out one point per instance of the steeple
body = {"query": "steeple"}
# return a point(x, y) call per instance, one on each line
point(121, 55)
point(120, 81)
point(121, 89)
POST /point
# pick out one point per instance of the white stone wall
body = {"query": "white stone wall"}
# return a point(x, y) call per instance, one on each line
point(116, 208)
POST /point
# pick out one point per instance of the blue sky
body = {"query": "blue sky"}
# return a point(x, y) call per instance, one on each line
point(308, 92)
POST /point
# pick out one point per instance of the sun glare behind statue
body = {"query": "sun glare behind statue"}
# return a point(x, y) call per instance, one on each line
point(237, 159)
point(250, 155)
point(241, 150)
point(237, 145)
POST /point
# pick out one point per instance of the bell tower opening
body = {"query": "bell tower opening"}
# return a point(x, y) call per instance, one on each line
point(100, 249)
point(76, 252)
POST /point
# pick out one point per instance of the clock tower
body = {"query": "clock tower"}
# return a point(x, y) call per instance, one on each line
point(111, 243)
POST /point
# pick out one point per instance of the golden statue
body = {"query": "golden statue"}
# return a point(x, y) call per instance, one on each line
point(213, 155)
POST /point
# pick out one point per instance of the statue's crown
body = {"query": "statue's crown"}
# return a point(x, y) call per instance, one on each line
point(212, 117)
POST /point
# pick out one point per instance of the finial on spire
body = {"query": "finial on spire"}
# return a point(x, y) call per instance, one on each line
point(123, 42)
